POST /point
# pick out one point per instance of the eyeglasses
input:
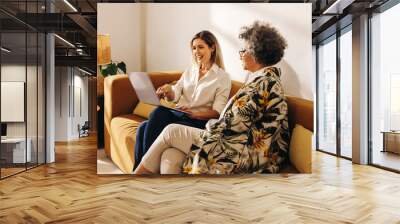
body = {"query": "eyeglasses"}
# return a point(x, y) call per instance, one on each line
point(242, 51)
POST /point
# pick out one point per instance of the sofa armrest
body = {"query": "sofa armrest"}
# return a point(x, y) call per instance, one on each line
point(119, 99)
point(301, 111)
point(119, 96)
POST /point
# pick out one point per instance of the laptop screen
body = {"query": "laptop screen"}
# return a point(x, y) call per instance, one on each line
point(144, 88)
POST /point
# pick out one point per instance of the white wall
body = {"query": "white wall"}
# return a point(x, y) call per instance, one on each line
point(80, 114)
point(33, 127)
point(122, 21)
point(67, 115)
point(82, 82)
point(61, 103)
point(16, 73)
point(166, 30)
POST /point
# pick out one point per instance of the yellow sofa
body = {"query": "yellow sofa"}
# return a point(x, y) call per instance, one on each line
point(120, 123)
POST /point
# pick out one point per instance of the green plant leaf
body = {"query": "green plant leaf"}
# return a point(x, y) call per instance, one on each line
point(104, 71)
point(113, 69)
point(122, 66)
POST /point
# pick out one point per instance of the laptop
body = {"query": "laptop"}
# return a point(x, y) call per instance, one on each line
point(145, 90)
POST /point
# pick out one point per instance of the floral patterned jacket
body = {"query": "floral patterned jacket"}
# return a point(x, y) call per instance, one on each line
point(252, 135)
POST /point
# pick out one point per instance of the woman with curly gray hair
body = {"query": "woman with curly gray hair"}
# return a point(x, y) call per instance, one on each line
point(263, 45)
point(251, 135)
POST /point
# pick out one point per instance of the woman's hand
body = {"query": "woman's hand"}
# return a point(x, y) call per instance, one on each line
point(183, 108)
point(188, 112)
point(166, 91)
point(197, 115)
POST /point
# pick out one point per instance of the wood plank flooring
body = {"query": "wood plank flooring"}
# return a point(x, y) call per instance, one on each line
point(70, 191)
point(387, 159)
point(10, 171)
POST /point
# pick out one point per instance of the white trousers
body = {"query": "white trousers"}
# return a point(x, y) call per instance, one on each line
point(163, 150)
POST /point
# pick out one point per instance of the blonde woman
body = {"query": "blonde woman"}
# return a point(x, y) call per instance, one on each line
point(202, 92)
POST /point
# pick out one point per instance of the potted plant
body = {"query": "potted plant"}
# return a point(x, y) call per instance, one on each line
point(110, 69)
point(113, 68)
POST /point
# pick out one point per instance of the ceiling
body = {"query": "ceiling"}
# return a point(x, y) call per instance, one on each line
point(77, 26)
point(76, 22)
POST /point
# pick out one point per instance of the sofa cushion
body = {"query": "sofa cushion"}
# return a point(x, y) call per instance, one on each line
point(235, 87)
point(143, 109)
point(300, 149)
point(123, 140)
point(300, 112)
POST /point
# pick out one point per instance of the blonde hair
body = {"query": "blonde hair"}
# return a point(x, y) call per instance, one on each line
point(210, 40)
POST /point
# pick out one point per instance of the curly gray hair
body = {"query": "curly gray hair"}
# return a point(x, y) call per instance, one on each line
point(265, 43)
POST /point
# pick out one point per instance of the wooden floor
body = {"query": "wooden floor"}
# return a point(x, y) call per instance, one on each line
point(70, 191)
point(10, 171)
point(386, 159)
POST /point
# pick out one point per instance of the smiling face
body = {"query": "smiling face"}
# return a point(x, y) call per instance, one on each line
point(201, 51)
